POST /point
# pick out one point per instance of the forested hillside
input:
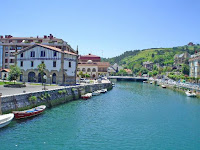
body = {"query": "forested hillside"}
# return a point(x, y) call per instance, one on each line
point(163, 56)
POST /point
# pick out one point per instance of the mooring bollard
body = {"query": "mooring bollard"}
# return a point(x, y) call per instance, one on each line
point(0, 104)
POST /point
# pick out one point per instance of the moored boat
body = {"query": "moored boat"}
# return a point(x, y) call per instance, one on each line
point(113, 84)
point(30, 112)
point(190, 94)
point(95, 93)
point(145, 81)
point(163, 86)
point(86, 96)
point(6, 119)
point(103, 90)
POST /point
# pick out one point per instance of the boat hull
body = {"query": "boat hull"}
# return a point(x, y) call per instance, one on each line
point(29, 113)
point(5, 121)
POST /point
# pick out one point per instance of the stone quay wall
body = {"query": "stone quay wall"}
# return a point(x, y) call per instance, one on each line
point(49, 98)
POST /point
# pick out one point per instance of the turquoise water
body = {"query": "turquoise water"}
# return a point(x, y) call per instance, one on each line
point(131, 116)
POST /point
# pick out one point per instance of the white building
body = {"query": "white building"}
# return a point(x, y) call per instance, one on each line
point(194, 64)
point(60, 64)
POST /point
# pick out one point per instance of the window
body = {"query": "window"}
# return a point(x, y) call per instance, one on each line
point(32, 53)
point(22, 54)
point(6, 60)
point(19, 48)
point(42, 54)
point(88, 70)
point(6, 47)
point(54, 63)
point(70, 65)
point(32, 64)
point(6, 66)
point(54, 54)
point(6, 54)
point(11, 60)
point(21, 64)
point(93, 70)
point(42, 62)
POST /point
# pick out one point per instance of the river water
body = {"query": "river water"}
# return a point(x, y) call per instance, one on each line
point(130, 116)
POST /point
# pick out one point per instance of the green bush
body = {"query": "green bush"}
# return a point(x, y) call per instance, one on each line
point(32, 98)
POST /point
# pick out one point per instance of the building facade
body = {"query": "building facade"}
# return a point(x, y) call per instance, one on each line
point(181, 58)
point(92, 65)
point(148, 65)
point(194, 64)
point(11, 45)
point(60, 64)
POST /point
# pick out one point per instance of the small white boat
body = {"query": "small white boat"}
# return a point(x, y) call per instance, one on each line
point(151, 82)
point(145, 81)
point(96, 93)
point(190, 94)
point(6, 119)
point(86, 96)
point(113, 84)
point(103, 90)
point(163, 86)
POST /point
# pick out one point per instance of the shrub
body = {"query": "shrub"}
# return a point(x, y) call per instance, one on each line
point(32, 98)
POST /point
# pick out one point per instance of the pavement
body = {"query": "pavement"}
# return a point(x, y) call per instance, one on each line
point(29, 88)
point(33, 88)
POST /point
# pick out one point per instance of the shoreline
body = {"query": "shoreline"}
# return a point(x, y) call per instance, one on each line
point(50, 98)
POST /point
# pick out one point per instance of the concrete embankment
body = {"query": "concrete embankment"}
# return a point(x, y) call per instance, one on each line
point(180, 89)
point(48, 97)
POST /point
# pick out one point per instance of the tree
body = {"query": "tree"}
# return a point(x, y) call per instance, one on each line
point(41, 67)
point(185, 69)
point(14, 73)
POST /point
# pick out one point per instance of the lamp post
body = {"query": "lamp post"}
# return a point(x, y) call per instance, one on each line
point(44, 77)
point(50, 79)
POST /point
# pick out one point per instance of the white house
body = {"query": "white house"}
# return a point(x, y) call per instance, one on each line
point(60, 64)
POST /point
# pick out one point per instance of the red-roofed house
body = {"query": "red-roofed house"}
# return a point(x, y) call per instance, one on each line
point(12, 44)
point(60, 64)
point(128, 71)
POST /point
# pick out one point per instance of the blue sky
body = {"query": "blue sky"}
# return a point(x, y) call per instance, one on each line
point(105, 27)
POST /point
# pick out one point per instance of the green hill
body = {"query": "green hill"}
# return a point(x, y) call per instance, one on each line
point(164, 56)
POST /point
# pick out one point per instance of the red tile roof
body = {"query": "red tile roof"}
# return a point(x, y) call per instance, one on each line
point(48, 47)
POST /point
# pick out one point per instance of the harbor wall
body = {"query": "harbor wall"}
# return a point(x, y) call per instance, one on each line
point(49, 98)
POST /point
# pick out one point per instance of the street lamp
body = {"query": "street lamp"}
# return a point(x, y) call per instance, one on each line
point(44, 77)
point(50, 79)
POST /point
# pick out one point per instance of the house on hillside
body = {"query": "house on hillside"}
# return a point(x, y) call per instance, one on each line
point(148, 65)
point(128, 71)
point(60, 64)
point(191, 44)
point(181, 58)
